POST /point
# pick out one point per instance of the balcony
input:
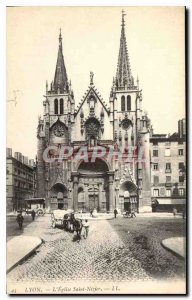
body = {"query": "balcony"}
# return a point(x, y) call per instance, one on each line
point(168, 184)
point(167, 170)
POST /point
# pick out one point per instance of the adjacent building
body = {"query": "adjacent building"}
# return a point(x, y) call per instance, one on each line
point(168, 169)
point(21, 180)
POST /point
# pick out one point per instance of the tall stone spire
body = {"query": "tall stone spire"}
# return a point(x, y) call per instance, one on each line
point(60, 81)
point(124, 79)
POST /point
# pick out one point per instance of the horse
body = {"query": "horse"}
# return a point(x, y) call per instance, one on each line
point(77, 226)
point(67, 222)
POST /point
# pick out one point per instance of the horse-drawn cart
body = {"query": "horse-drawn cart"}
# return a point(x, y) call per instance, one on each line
point(129, 214)
point(61, 218)
point(35, 204)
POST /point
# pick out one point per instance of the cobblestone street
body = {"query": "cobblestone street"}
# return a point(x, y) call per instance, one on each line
point(118, 249)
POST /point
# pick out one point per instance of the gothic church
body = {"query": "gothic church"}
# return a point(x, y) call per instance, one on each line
point(119, 123)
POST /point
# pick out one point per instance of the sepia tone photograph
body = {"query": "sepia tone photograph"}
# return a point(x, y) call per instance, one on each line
point(96, 150)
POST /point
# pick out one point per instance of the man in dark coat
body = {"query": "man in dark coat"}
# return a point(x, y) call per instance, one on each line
point(33, 215)
point(115, 212)
point(20, 220)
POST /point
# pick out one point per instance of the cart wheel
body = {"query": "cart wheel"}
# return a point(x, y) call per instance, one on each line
point(40, 212)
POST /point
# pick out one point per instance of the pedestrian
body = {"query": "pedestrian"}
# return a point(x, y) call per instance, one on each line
point(85, 228)
point(20, 220)
point(115, 212)
point(133, 213)
point(183, 213)
point(91, 213)
point(78, 228)
point(174, 211)
point(72, 221)
point(33, 215)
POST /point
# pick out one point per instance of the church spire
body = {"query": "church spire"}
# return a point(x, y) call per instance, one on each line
point(124, 79)
point(60, 84)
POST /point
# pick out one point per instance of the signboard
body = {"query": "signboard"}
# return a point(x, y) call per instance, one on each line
point(172, 201)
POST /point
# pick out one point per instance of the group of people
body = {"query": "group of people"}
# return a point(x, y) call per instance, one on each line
point(130, 212)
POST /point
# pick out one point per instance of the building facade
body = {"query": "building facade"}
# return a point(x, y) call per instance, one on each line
point(103, 138)
point(21, 180)
point(168, 170)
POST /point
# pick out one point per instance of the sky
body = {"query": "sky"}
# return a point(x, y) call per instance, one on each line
point(91, 38)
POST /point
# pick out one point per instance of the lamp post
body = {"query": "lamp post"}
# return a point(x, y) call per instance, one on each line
point(137, 199)
point(182, 172)
point(94, 198)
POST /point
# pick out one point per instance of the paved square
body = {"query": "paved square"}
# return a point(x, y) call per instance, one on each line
point(118, 249)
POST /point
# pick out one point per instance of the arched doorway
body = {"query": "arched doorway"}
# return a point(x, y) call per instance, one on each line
point(93, 191)
point(58, 194)
point(128, 196)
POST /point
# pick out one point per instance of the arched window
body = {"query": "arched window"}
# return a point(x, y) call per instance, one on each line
point(123, 103)
point(128, 102)
point(93, 128)
point(61, 106)
point(56, 107)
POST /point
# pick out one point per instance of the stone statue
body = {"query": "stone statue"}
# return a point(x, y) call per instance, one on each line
point(91, 77)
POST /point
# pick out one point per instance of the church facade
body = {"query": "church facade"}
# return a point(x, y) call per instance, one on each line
point(95, 154)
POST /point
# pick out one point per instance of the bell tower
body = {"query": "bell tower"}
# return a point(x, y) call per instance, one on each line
point(59, 105)
point(126, 115)
point(124, 96)
point(55, 129)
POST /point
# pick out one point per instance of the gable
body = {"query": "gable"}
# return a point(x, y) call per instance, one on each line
point(91, 92)
point(92, 106)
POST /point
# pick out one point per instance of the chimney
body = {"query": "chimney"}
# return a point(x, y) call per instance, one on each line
point(8, 152)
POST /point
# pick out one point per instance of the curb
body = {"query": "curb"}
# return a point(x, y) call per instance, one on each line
point(172, 251)
point(97, 219)
point(27, 255)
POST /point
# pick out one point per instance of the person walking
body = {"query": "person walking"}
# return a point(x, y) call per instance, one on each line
point(183, 213)
point(133, 213)
point(174, 212)
point(33, 215)
point(20, 220)
point(85, 228)
point(115, 212)
point(78, 228)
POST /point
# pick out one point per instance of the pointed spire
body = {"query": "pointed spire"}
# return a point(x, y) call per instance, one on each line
point(60, 81)
point(137, 82)
point(46, 86)
point(60, 39)
point(123, 75)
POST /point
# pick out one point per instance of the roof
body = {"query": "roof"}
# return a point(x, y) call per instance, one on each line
point(35, 199)
point(167, 138)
